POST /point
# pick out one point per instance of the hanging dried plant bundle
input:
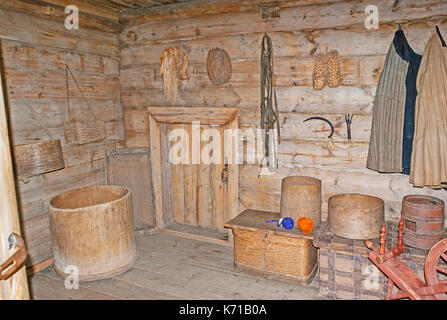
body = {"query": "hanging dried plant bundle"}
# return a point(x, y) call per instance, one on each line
point(334, 69)
point(218, 66)
point(174, 67)
point(320, 72)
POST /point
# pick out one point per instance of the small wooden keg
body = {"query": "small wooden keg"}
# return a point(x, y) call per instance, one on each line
point(423, 220)
point(356, 216)
point(301, 197)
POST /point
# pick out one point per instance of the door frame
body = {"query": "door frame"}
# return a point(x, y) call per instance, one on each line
point(186, 115)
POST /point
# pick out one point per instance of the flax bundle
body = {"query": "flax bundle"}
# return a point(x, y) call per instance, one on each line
point(174, 67)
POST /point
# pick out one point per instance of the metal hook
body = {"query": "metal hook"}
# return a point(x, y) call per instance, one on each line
point(348, 119)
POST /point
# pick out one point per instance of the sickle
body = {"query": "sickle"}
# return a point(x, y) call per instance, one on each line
point(325, 120)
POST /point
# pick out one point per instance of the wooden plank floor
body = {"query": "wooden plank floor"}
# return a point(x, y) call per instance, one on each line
point(174, 267)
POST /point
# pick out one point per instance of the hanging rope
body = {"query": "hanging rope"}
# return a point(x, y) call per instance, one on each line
point(269, 115)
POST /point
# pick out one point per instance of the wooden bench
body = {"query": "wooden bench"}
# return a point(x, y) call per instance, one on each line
point(271, 250)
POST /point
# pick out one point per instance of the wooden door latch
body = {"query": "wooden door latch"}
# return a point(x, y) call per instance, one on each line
point(13, 263)
point(224, 174)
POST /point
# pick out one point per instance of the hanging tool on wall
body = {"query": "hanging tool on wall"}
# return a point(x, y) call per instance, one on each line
point(348, 119)
point(330, 142)
point(269, 115)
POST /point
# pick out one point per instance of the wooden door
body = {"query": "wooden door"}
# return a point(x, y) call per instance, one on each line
point(16, 287)
point(194, 193)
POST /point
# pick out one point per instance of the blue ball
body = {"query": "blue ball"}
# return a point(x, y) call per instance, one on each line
point(287, 223)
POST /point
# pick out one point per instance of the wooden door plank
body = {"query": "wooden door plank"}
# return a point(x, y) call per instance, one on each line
point(203, 185)
point(177, 185)
point(190, 184)
point(218, 188)
point(166, 173)
point(156, 168)
point(232, 198)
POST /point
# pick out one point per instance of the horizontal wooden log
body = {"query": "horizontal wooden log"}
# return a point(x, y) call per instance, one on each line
point(19, 26)
point(186, 9)
point(137, 139)
point(356, 71)
point(317, 16)
point(57, 13)
point(339, 100)
point(136, 120)
point(22, 56)
point(293, 127)
point(391, 187)
point(357, 41)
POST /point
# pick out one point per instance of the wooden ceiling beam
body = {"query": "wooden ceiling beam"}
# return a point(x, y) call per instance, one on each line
point(88, 8)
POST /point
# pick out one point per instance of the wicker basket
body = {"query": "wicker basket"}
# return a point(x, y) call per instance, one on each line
point(37, 158)
point(82, 133)
point(218, 66)
point(276, 254)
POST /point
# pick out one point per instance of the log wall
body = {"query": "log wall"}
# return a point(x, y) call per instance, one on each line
point(304, 29)
point(35, 47)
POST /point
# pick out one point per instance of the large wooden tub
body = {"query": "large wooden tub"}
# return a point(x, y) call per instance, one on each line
point(92, 230)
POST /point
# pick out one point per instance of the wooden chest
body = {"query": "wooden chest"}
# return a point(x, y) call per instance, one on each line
point(272, 251)
point(347, 273)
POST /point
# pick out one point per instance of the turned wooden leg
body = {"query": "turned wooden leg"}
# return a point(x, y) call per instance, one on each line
point(382, 240)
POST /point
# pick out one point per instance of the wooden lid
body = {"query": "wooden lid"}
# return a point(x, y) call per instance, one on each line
point(255, 220)
point(301, 181)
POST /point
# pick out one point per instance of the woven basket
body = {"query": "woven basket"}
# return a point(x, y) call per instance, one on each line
point(334, 77)
point(218, 66)
point(82, 133)
point(320, 73)
point(37, 158)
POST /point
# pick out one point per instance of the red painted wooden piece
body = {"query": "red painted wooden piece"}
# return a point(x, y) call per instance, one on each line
point(409, 285)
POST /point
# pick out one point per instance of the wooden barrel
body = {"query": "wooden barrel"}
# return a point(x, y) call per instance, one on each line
point(301, 197)
point(92, 230)
point(423, 220)
point(356, 216)
point(37, 158)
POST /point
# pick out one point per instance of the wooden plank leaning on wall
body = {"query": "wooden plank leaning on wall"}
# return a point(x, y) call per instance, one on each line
point(16, 287)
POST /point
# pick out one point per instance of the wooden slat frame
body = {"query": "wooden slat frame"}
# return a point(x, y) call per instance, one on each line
point(206, 116)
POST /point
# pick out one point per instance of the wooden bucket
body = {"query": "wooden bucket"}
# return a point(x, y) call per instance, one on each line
point(356, 216)
point(82, 133)
point(301, 197)
point(92, 230)
point(37, 158)
point(423, 220)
